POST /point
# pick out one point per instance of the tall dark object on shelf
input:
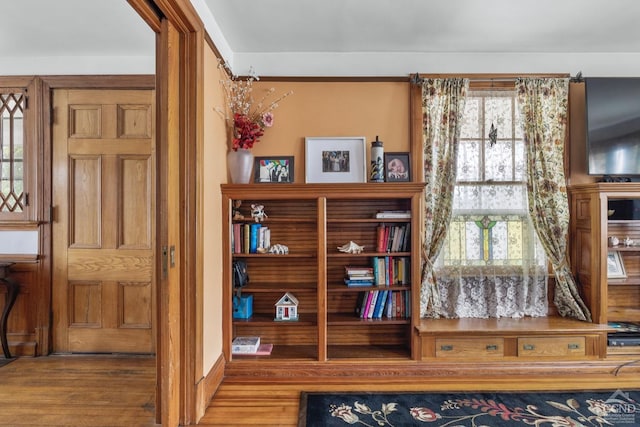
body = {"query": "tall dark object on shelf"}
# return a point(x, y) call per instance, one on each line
point(376, 173)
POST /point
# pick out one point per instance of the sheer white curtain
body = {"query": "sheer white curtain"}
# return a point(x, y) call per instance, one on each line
point(491, 264)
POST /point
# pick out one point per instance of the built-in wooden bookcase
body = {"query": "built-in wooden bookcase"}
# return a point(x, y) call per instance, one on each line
point(611, 299)
point(313, 220)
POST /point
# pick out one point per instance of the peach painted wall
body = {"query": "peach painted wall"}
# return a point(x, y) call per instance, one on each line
point(213, 172)
point(325, 109)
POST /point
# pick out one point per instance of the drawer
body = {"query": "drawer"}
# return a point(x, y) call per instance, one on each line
point(469, 347)
point(551, 346)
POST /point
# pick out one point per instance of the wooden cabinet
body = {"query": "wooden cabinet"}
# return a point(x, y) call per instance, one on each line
point(611, 299)
point(507, 339)
point(312, 221)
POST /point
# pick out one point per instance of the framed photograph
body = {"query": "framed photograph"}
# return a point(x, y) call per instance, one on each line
point(273, 169)
point(397, 167)
point(335, 159)
point(615, 266)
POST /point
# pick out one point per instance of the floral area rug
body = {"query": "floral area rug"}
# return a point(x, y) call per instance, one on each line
point(552, 409)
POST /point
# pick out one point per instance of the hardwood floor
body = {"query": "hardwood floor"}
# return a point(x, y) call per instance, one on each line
point(74, 391)
point(251, 401)
point(118, 391)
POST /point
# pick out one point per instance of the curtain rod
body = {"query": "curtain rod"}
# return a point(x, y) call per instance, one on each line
point(417, 78)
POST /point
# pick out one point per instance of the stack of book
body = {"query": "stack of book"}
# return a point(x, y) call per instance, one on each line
point(358, 276)
point(249, 238)
point(250, 346)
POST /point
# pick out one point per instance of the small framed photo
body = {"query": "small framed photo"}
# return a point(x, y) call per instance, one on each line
point(615, 266)
point(397, 167)
point(273, 169)
point(335, 159)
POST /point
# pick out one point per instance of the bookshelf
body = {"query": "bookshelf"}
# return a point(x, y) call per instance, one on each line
point(611, 299)
point(313, 220)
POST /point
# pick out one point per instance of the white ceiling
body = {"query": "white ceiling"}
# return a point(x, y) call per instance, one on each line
point(335, 37)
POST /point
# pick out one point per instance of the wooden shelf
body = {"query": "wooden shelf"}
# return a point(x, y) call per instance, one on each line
point(368, 220)
point(387, 352)
point(313, 220)
point(344, 288)
point(269, 320)
point(281, 352)
point(353, 320)
point(271, 256)
point(368, 254)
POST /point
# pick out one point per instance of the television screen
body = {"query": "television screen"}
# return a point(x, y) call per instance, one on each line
point(613, 125)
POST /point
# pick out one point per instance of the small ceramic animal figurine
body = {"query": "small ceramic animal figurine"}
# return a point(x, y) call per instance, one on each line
point(351, 248)
point(258, 213)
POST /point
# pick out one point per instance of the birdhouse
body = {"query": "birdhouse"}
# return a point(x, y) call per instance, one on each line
point(287, 307)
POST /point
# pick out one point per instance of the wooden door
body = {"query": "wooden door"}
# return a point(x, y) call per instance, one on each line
point(103, 221)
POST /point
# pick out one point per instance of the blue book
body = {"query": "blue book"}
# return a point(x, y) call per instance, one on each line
point(389, 310)
point(253, 237)
point(380, 304)
point(355, 283)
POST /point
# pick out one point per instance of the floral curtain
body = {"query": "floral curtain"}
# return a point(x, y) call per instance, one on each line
point(543, 104)
point(442, 107)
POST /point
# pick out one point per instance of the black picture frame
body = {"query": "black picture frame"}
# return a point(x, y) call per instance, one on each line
point(397, 167)
point(273, 170)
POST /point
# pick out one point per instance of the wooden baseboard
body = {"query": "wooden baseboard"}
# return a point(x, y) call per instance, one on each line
point(208, 386)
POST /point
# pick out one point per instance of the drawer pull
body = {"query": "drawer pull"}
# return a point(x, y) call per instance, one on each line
point(574, 346)
point(529, 347)
point(446, 347)
point(492, 347)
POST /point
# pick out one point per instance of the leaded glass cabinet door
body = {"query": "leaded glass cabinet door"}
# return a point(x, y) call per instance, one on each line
point(14, 198)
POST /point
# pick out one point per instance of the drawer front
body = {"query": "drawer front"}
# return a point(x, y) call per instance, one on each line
point(551, 346)
point(469, 347)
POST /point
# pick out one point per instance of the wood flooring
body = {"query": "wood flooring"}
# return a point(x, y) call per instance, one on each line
point(75, 391)
point(118, 391)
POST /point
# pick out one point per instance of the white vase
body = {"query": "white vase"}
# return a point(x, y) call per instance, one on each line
point(240, 165)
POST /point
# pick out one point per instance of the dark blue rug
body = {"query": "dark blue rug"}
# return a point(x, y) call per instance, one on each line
point(455, 409)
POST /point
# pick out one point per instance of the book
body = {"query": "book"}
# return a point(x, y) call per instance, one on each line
point(253, 237)
point(245, 345)
point(263, 350)
point(355, 283)
point(354, 270)
point(245, 238)
point(364, 313)
point(389, 308)
point(380, 303)
point(362, 296)
point(372, 304)
point(393, 214)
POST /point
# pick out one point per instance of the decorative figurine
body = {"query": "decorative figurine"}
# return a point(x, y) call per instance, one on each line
point(258, 213)
point(279, 249)
point(287, 308)
point(377, 165)
point(351, 248)
point(235, 210)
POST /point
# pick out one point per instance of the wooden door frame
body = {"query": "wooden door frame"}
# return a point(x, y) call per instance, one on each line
point(179, 131)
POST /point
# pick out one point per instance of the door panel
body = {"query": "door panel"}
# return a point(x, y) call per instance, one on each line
point(103, 233)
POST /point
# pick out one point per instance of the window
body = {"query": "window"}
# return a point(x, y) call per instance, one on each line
point(491, 264)
point(12, 142)
point(490, 224)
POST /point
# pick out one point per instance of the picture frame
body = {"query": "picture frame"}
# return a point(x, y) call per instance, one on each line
point(335, 159)
point(273, 170)
point(615, 266)
point(397, 167)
